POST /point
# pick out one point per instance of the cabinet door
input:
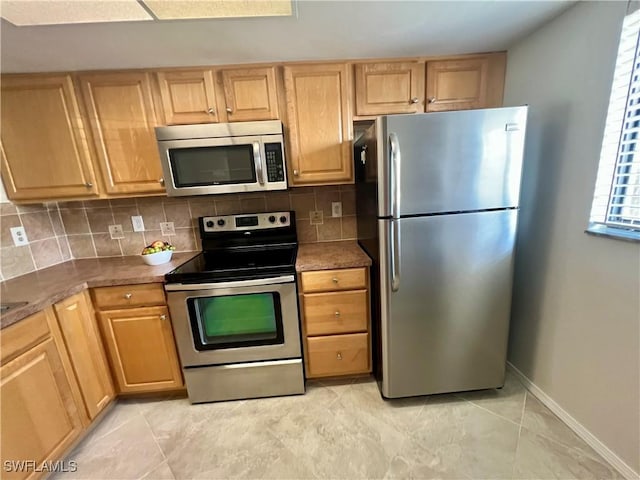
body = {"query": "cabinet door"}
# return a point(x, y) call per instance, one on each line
point(141, 349)
point(250, 94)
point(39, 417)
point(465, 84)
point(45, 154)
point(82, 340)
point(188, 96)
point(319, 121)
point(384, 88)
point(122, 116)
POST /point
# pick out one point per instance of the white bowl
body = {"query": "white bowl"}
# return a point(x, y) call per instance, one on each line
point(157, 258)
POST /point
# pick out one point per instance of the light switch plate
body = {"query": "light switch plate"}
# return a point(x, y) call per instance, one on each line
point(336, 209)
point(315, 217)
point(116, 232)
point(138, 223)
point(167, 228)
point(19, 236)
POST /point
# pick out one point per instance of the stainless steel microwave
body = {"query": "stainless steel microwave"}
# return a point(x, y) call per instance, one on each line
point(222, 158)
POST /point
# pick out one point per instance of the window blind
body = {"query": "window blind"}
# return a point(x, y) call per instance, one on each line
point(616, 201)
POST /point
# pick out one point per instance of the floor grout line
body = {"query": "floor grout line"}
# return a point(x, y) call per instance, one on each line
point(515, 453)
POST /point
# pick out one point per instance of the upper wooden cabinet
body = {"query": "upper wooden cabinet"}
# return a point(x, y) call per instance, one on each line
point(82, 341)
point(250, 94)
point(188, 96)
point(476, 82)
point(44, 149)
point(122, 116)
point(392, 87)
point(319, 124)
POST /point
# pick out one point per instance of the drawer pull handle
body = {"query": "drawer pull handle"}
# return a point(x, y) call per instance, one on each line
point(334, 279)
point(163, 317)
point(339, 356)
point(337, 313)
point(128, 296)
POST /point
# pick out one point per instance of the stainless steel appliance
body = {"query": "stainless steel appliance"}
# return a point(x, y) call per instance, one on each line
point(437, 204)
point(222, 158)
point(234, 309)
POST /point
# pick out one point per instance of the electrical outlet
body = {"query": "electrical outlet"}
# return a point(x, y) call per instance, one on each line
point(315, 217)
point(19, 236)
point(167, 228)
point(336, 209)
point(116, 232)
point(138, 223)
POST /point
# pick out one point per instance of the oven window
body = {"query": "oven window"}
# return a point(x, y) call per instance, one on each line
point(236, 320)
point(201, 166)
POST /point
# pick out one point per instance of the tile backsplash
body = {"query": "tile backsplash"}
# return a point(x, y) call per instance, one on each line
point(58, 232)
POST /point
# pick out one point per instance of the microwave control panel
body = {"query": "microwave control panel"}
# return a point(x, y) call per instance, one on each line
point(275, 164)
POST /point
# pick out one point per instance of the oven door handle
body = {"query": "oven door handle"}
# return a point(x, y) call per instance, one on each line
point(183, 287)
point(257, 160)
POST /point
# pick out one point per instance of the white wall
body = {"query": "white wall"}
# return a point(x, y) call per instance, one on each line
point(576, 314)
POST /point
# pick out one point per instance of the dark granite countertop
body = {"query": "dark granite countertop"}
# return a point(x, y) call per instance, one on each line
point(330, 255)
point(50, 285)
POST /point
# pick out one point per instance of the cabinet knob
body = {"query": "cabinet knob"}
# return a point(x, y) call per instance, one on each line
point(229, 110)
point(161, 181)
point(88, 185)
point(128, 296)
point(432, 100)
point(339, 356)
point(296, 173)
point(163, 317)
point(337, 314)
point(335, 280)
point(211, 111)
point(415, 100)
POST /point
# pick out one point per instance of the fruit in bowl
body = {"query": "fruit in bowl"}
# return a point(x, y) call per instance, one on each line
point(157, 253)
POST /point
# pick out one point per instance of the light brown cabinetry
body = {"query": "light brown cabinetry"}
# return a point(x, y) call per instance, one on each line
point(389, 87)
point(39, 416)
point(188, 96)
point(139, 341)
point(45, 152)
point(462, 84)
point(319, 123)
point(122, 117)
point(82, 341)
point(336, 322)
point(250, 94)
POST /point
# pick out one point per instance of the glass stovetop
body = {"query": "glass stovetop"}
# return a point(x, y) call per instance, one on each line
point(230, 264)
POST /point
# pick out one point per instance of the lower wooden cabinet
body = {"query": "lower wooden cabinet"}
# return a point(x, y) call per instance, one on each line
point(84, 346)
point(334, 306)
point(141, 349)
point(39, 416)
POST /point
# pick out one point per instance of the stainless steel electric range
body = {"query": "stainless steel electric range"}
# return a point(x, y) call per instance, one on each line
point(234, 309)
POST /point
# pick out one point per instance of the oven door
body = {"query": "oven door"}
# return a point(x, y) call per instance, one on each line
point(231, 322)
point(202, 166)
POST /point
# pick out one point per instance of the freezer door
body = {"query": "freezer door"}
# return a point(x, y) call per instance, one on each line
point(444, 313)
point(449, 161)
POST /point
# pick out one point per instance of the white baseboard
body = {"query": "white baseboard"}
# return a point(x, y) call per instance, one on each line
point(625, 470)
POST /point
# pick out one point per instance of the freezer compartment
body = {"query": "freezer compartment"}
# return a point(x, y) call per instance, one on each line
point(444, 315)
point(446, 162)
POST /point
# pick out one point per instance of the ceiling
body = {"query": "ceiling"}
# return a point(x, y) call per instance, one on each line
point(320, 30)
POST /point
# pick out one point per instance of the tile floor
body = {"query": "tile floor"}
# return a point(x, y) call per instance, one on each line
point(339, 430)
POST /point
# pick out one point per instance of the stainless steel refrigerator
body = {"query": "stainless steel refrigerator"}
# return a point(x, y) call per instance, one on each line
point(437, 205)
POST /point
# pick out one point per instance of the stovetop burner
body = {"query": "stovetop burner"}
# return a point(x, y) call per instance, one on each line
point(241, 247)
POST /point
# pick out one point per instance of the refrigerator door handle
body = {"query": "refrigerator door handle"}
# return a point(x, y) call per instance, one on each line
point(394, 146)
point(395, 255)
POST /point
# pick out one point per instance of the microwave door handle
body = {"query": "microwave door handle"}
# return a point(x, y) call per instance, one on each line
point(257, 160)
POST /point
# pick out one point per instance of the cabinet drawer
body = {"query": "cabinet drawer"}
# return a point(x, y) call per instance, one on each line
point(107, 298)
point(339, 312)
point(326, 280)
point(338, 355)
point(21, 336)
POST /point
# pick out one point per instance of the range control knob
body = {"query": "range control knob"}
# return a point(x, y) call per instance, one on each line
point(272, 219)
point(221, 222)
point(283, 219)
point(210, 224)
